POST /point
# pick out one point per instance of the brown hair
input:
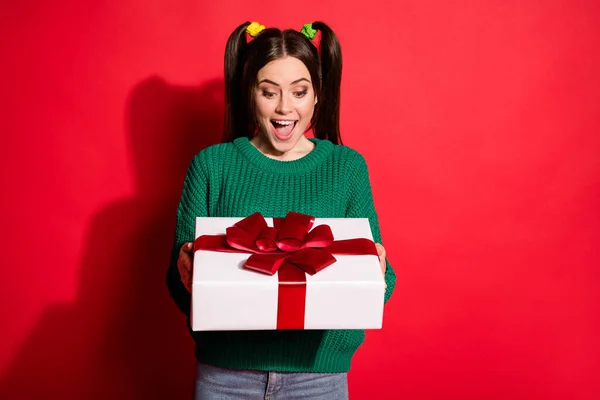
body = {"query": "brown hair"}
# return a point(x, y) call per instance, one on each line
point(243, 60)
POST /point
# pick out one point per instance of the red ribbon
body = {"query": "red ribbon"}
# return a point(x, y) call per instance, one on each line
point(291, 248)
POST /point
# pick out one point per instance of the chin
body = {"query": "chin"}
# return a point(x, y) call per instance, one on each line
point(283, 147)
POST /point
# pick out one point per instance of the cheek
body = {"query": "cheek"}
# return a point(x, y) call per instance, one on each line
point(263, 109)
point(307, 109)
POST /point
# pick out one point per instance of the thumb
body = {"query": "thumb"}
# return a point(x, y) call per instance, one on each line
point(380, 250)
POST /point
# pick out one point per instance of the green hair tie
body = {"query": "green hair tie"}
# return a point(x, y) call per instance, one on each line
point(308, 31)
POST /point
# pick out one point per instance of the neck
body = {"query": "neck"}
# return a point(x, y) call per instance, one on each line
point(302, 148)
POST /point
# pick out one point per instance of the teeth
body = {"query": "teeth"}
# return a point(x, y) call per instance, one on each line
point(283, 122)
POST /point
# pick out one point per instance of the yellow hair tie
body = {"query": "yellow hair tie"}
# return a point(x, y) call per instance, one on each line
point(254, 29)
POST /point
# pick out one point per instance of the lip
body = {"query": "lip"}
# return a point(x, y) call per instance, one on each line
point(288, 136)
point(293, 121)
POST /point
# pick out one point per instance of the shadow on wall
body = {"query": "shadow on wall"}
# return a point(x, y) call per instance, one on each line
point(124, 338)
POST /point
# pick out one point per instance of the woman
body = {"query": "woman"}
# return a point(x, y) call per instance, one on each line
point(278, 85)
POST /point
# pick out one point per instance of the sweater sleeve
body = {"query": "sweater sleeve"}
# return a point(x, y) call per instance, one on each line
point(193, 203)
point(360, 205)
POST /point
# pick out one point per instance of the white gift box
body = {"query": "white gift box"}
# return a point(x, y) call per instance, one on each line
point(348, 294)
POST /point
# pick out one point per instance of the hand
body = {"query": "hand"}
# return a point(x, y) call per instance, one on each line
point(381, 254)
point(184, 265)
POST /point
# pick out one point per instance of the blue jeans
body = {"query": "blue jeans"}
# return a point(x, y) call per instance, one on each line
point(214, 383)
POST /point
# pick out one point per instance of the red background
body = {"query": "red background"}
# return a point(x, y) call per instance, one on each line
point(479, 122)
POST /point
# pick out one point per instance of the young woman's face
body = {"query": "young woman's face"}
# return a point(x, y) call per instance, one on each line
point(285, 101)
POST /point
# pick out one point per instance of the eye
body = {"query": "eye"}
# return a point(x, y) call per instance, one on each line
point(300, 94)
point(268, 95)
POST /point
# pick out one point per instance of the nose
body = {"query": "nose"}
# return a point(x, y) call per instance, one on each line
point(284, 106)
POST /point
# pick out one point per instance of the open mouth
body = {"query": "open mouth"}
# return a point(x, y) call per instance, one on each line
point(283, 128)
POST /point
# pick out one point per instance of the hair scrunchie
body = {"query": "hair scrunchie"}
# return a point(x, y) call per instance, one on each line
point(308, 31)
point(254, 29)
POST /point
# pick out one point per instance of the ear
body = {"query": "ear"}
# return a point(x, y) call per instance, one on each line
point(316, 100)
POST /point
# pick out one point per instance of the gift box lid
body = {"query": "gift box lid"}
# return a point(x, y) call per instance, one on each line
point(347, 269)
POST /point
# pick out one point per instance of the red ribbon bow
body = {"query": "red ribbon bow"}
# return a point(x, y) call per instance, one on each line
point(291, 248)
point(272, 245)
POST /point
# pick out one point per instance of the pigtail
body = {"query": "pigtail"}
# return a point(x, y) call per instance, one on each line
point(234, 64)
point(327, 124)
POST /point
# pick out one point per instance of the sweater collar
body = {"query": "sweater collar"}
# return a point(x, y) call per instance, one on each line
point(305, 163)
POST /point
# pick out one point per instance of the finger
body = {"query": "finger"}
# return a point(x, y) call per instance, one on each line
point(186, 275)
point(184, 262)
point(380, 250)
point(185, 258)
point(188, 285)
point(184, 265)
point(187, 247)
point(381, 253)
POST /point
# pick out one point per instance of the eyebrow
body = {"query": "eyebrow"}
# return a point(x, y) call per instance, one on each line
point(276, 84)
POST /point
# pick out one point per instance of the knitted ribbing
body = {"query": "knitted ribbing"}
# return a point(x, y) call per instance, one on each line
point(235, 180)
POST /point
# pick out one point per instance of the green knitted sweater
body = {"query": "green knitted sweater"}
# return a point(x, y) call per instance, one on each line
point(235, 180)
